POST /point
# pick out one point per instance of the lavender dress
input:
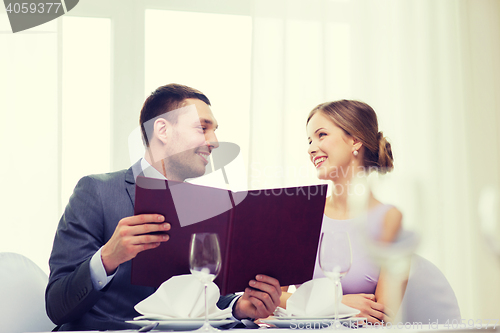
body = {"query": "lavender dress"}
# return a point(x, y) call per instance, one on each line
point(363, 276)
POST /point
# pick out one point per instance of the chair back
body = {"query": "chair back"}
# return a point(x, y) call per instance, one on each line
point(22, 295)
point(429, 297)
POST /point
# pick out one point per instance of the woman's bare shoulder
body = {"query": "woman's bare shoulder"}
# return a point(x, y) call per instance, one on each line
point(392, 225)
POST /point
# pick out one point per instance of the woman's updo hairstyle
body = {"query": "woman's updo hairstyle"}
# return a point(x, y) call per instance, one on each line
point(359, 120)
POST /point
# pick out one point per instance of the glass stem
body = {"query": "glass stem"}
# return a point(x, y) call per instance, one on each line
point(337, 299)
point(206, 309)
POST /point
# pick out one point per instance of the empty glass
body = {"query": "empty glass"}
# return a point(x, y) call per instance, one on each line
point(205, 263)
point(335, 261)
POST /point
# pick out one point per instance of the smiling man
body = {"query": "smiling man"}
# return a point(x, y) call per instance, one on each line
point(181, 140)
point(90, 269)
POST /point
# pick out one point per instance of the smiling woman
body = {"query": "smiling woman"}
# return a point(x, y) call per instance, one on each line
point(344, 145)
point(353, 122)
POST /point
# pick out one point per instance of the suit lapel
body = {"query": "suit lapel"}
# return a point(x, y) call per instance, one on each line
point(134, 171)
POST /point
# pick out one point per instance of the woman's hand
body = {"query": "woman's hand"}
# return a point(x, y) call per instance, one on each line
point(285, 295)
point(366, 303)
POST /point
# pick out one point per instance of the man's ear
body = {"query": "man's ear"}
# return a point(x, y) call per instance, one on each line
point(162, 129)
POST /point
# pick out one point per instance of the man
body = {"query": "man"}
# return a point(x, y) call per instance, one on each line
point(89, 285)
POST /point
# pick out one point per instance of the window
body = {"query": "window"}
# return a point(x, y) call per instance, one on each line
point(209, 52)
point(86, 98)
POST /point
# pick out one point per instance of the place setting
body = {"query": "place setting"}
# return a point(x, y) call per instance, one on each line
point(308, 308)
point(189, 302)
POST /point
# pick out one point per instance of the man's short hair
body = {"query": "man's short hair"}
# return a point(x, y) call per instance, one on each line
point(163, 100)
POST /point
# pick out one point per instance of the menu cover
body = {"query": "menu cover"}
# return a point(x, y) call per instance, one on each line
point(273, 232)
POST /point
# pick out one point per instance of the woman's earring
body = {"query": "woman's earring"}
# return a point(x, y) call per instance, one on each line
point(355, 153)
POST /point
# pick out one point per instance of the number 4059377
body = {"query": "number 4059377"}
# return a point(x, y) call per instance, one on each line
point(32, 8)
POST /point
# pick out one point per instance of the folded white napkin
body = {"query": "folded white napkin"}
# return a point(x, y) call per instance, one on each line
point(182, 296)
point(315, 298)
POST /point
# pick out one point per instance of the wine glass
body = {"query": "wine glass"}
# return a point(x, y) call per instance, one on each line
point(205, 263)
point(335, 261)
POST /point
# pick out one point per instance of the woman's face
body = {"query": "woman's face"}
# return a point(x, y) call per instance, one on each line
point(330, 148)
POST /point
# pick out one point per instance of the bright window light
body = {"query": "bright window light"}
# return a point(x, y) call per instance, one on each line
point(209, 52)
point(86, 91)
point(28, 141)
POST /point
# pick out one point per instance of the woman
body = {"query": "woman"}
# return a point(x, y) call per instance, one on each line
point(344, 140)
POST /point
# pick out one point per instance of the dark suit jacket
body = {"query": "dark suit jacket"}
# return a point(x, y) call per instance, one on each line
point(98, 203)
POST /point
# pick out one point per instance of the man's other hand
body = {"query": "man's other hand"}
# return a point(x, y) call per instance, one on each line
point(260, 300)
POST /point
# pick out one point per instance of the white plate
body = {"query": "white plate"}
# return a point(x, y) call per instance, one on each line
point(163, 318)
point(214, 314)
point(181, 324)
point(308, 323)
point(341, 316)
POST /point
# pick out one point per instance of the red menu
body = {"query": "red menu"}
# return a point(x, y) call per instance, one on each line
point(273, 232)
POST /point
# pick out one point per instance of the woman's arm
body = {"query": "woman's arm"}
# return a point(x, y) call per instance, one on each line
point(370, 309)
point(390, 231)
point(285, 295)
point(383, 295)
point(391, 225)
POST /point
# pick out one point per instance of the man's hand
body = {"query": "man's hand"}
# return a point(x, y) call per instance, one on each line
point(366, 303)
point(131, 237)
point(259, 303)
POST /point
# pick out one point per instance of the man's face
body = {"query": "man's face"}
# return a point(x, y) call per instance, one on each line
point(191, 141)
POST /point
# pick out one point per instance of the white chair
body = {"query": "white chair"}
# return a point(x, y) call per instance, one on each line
point(22, 295)
point(428, 296)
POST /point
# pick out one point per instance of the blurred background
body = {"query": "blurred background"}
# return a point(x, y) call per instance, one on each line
point(71, 91)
